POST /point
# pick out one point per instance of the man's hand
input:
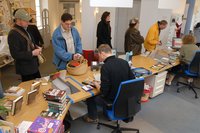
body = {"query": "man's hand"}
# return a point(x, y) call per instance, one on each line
point(97, 84)
point(36, 52)
point(77, 56)
point(159, 43)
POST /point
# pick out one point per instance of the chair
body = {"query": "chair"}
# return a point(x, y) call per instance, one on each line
point(89, 55)
point(193, 71)
point(126, 104)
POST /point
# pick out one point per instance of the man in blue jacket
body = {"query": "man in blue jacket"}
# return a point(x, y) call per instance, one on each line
point(66, 43)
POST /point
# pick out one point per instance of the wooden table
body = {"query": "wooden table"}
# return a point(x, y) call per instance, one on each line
point(147, 62)
point(30, 112)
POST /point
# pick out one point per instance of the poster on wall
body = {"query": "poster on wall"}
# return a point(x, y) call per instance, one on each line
point(111, 3)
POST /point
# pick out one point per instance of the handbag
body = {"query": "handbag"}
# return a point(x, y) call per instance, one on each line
point(41, 58)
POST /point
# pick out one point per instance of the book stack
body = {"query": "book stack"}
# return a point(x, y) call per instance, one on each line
point(46, 125)
point(14, 91)
point(56, 100)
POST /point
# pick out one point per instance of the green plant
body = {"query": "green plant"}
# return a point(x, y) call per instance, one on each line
point(3, 110)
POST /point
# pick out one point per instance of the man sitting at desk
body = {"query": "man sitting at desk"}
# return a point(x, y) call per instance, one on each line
point(113, 72)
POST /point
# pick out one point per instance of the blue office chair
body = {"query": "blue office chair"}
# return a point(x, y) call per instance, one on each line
point(126, 104)
point(193, 71)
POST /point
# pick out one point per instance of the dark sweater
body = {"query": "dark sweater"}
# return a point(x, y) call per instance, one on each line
point(133, 41)
point(33, 30)
point(103, 33)
point(113, 72)
point(25, 63)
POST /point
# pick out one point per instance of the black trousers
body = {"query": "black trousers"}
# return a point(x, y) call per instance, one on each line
point(31, 76)
point(92, 103)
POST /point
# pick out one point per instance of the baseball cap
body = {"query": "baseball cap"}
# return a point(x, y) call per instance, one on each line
point(23, 15)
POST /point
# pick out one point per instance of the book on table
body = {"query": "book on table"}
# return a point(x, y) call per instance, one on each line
point(14, 91)
point(35, 85)
point(87, 87)
point(31, 96)
point(46, 125)
point(6, 127)
point(17, 105)
point(48, 114)
point(55, 95)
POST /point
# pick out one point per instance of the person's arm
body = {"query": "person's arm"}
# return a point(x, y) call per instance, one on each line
point(151, 37)
point(59, 50)
point(105, 82)
point(182, 54)
point(137, 38)
point(14, 46)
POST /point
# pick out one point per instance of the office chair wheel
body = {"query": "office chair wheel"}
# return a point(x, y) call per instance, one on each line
point(196, 97)
point(116, 131)
point(98, 126)
point(178, 91)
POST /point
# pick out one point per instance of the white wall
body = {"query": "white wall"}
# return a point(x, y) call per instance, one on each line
point(54, 14)
point(89, 24)
point(150, 14)
point(181, 8)
point(44, 4)
point(123, 15)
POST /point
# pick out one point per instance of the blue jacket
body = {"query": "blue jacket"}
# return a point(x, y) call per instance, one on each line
point(61, 55)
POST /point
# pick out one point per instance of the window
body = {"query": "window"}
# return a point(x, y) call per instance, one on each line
point(38, 13)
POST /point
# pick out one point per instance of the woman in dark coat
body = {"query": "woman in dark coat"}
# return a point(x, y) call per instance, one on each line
point(104, 30)
point(133, 39)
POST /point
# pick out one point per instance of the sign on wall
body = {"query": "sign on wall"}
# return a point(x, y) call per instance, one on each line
point(111, 3)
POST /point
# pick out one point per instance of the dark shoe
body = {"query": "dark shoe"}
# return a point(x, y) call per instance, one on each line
point(89, 120)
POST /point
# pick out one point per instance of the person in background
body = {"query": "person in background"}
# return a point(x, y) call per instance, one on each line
point(152, 37)
point(187, 53)
point(179, 23)
point(33, 29)
point(133, 39)
point(66, 43)
point(111, 77)
point(172, 33)
point(24, 55)
point(197, 33)
point(104, 30)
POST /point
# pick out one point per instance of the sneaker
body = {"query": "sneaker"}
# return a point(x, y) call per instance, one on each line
point(89, 120)
point(168, 83)
point(190, 80)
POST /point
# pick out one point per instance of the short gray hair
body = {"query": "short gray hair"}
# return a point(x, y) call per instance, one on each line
point(104, 48)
